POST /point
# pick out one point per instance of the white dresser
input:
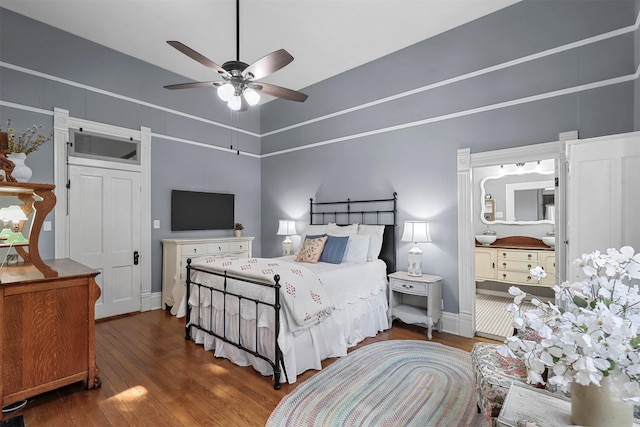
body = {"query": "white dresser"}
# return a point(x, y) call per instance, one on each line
point(175, 253)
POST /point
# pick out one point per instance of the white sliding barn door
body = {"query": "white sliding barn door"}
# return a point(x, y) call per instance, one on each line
point(604, 195)
point(104, 215)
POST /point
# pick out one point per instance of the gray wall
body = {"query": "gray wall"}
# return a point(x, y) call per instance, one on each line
point(408, 144)
point(175, 165)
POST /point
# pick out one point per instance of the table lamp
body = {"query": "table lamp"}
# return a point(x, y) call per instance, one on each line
point(287, 228)
point(416, 232)
point(6, 231)
point(17, 218)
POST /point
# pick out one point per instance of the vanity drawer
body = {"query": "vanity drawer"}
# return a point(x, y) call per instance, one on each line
point(517, 255)
point(509, 264)
point(197, 249)
point(409, 287)
point(517, 277)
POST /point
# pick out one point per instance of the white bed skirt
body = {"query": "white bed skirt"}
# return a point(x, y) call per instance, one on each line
point(332, 337)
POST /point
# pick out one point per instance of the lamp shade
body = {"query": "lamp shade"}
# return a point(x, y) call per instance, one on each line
point(15, 214)
point(416, 231)
point(286, 227)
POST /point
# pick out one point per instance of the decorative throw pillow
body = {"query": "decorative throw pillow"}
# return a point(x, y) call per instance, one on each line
point(334, 249)
point(357, 248)
point(314, 229)
point(376, 233)
point(311, 250)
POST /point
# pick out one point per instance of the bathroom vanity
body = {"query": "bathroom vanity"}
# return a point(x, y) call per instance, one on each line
point(510, 260)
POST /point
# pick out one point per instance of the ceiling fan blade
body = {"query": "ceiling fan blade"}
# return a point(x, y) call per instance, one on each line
point(268, 64)
point(280, 92)
point(198, 57)
point(193, 85)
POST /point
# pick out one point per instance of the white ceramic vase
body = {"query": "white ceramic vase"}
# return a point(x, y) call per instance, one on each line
point(595, 406)
point(238, 233)
point(22, 172)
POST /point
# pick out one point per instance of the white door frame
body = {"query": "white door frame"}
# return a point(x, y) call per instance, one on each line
point(466, 240)
point(62, 122)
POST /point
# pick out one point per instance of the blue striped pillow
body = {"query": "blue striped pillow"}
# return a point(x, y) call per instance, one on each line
point(334, 249)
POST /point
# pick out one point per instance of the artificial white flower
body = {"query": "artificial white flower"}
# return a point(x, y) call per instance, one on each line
point(599, 333)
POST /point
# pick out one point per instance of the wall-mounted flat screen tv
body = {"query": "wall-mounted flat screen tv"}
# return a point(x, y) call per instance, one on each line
point(193, 210)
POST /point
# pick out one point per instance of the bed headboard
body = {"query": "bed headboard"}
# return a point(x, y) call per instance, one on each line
point(374, 212)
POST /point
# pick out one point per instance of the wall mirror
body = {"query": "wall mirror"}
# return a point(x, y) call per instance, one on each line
point(517, 195)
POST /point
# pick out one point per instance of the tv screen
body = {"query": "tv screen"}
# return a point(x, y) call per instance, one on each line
point(193, 210)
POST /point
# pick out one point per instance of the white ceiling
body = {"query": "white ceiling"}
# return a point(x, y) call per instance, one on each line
point(326, 37)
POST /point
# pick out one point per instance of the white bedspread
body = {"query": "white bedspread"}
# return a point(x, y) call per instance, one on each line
point(303, 295)
point(358, 291)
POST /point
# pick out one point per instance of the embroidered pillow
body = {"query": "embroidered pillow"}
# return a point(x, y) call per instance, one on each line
point(334, 249)
point(311, 250)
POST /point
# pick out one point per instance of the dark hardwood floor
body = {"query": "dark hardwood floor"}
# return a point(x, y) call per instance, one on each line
point(152, 376)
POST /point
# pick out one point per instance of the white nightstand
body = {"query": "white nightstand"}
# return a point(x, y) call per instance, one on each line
point(415, 300)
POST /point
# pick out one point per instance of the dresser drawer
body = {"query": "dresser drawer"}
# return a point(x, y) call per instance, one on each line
point(517, 277)
point(517, 255)
point(409, 287)
point(197, 249)
point(238, 247)
point(509, 264)
point(218, 248)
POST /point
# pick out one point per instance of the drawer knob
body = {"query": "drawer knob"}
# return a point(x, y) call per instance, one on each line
point(528, 277)
point(529, 256)
point(529, 265)
point(504, 264)
point(504, 276)
point(219, 248)
point(240, 246)
point(195, 250)
point(407, 286)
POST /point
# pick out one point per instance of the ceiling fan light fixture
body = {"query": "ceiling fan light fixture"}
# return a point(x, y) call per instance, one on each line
point(226, 91)
point(252, 96)
point(235, 103)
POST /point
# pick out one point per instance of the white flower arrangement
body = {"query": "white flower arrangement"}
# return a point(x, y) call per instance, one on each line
point(596, 336)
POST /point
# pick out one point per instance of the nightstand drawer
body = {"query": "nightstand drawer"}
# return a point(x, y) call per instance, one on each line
point(406, 287)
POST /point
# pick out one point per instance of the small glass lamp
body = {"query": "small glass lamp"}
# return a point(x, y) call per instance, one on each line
point(287, 228)
point(416, 232)
point(4, 217)
point(17, 218)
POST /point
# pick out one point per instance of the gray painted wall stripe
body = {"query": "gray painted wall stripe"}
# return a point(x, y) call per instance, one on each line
point(202, 144)
point(121, 97)
point(533, 98)
point(463, 113)
point(466, 76)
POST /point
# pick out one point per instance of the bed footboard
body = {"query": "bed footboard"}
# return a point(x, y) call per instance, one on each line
point(277, 361)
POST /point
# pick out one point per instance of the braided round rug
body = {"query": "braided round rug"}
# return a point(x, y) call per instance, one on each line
point(390, 383)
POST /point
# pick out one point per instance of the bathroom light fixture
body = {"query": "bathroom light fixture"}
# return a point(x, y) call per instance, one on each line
point(416, 232)
point(287, 228)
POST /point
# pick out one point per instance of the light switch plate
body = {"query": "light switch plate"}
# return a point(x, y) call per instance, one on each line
point(46, 226)
point(156, 223)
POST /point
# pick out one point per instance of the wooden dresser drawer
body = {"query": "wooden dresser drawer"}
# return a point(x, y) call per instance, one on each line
point(517, 255)
point(410, 287)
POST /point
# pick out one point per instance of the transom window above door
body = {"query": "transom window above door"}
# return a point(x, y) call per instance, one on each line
point(96, 146)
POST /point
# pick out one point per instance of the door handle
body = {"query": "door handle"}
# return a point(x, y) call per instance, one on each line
point(136, 257)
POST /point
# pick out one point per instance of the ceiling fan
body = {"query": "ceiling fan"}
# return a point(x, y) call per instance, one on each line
point(239, 87)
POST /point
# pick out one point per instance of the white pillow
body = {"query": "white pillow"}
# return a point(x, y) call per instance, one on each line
point(376, 232)
point(341, 230)
point(357, 248)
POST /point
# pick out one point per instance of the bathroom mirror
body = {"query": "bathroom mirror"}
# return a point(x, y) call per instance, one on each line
point(518, 196)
